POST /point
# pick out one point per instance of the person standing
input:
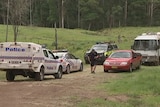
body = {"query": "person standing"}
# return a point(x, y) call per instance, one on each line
point(92, 59)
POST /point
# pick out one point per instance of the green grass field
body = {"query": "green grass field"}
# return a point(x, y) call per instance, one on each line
point(76, 41)
point(140, 88)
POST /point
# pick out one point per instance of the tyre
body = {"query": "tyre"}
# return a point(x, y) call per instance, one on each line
point(156, 63)
point(86, 61)
point(31, 75)
point(81, 67)
point(10, 76)
point(130, 68)
point(105, 70)
point(58, 75)
point(39, 76)
point(139, 66)
point(67, 69)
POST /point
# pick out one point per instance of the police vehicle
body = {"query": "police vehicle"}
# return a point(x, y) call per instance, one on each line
point(28, 59)
point(69, 61)
point(103, 49)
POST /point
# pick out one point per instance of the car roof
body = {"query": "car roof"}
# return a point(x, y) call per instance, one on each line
point(125, 50)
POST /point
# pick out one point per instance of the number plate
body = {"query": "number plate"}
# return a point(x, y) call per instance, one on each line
point(15, 62)
point(114, 67)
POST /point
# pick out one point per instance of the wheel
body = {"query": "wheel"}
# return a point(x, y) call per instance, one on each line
point(39, 76)
point(156, 63)
point(81, 67)
point(31, 75)
point(58, 75)
point(67, 69)
point(130, 68)
point(139, 66)
point(105, 70)
point(10, 76)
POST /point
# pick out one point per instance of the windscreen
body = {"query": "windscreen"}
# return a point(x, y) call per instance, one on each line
point(99, 48)
point(145, 44)
point(60, 55)
point(121, 55)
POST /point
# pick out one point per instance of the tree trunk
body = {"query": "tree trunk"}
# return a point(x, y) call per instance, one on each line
point(62, 13)
point(78, 14)
point(125, 13)
point(89, 27)
point(151, 12)
point(30, 13)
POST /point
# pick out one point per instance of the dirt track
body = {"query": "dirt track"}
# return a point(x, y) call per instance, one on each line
point(65, 92)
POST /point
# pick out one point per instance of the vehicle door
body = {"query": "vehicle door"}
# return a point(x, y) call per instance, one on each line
point(73, 62)
point(50, 62)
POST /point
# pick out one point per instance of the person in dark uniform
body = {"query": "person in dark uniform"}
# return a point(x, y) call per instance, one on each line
point(92, 59)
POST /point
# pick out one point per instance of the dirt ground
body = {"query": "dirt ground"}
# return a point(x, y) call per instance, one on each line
point(65, 92)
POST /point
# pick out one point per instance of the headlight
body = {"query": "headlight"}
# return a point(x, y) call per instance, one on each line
point(106, 63)
point(123, 63)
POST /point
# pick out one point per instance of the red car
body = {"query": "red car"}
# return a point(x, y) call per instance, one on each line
point(123, 60)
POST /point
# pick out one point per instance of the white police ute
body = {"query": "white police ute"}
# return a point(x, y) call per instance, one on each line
point(28, 59)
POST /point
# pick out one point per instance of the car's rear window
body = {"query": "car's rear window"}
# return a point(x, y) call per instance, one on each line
point(121, 55)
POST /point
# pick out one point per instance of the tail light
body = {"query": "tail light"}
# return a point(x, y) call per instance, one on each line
point(61, 60)
point(1, 46)
point(29, 45)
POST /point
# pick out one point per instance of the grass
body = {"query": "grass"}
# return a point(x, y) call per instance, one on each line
point(76, 41)
point(137, 89)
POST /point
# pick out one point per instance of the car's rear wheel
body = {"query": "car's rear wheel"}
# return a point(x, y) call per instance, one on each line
point(67, 69)
point(10, 76)
point(139, 66)
point(58, 75)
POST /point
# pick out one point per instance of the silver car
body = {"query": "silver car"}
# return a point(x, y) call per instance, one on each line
point(69, 62)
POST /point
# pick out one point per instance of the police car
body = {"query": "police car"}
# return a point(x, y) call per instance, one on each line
point(28, 59)
point(103, 49)
point(69, 61)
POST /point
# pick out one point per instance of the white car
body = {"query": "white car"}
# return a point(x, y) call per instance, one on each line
point(69, 61)
point(28, 59)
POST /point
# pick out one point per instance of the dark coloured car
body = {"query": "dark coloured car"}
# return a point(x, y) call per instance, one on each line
point(101, 49)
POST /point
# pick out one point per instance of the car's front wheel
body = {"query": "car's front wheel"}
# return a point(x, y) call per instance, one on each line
point(39, 76)
point(81, 67)
point(130, 68)
point(105, 70)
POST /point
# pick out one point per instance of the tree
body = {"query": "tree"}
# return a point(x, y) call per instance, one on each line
point(17, 13)
point(90, 12)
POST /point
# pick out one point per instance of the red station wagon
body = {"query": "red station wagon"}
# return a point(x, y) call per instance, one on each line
point(123, 60)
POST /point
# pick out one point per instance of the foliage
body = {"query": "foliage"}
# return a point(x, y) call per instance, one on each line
point(87, 14)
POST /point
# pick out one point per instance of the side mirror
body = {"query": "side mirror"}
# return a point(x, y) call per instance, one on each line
point(56, 57)
point(134, 56)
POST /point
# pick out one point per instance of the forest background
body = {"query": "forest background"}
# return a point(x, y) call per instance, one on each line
point(83, 14)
